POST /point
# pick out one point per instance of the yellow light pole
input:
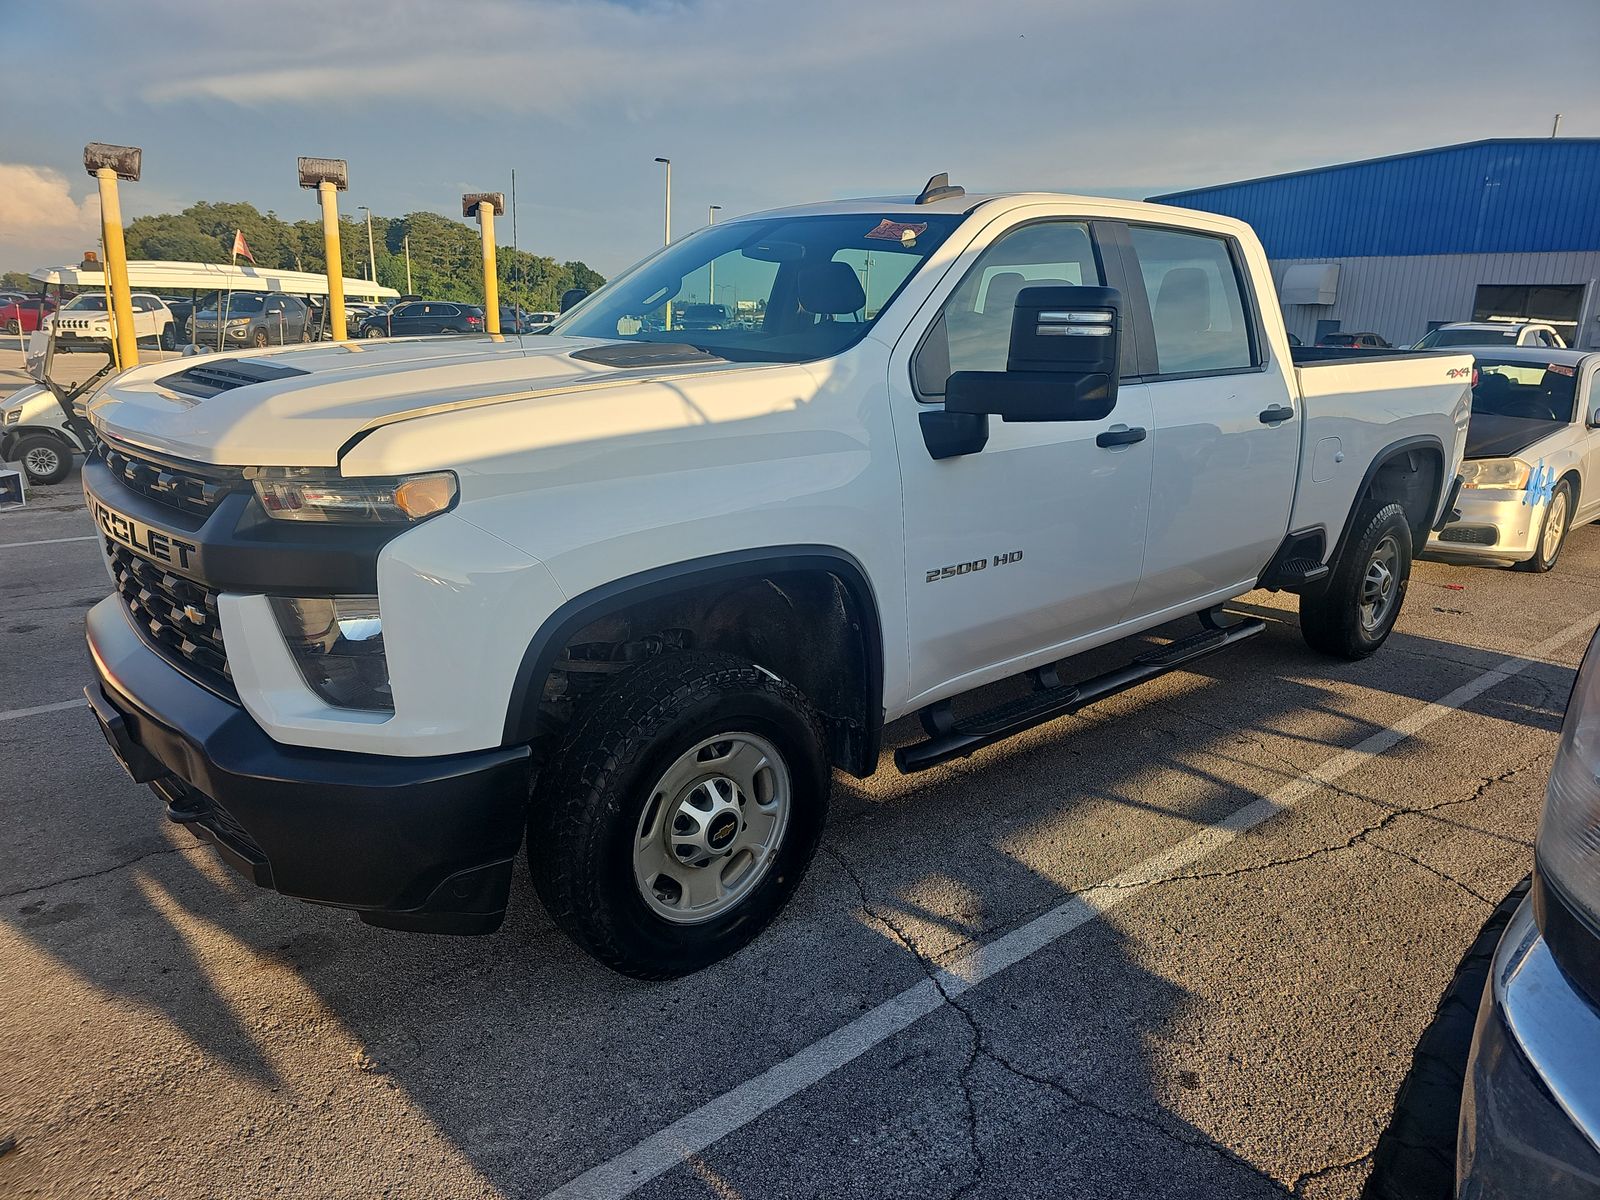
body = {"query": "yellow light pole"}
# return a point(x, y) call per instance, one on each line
point(109, 164)
point(330, 176)
point(484, 205)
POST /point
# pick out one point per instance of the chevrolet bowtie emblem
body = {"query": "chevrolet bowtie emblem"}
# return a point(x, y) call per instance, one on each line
point(194, 614)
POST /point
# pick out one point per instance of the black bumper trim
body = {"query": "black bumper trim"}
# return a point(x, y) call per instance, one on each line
point(422, 843)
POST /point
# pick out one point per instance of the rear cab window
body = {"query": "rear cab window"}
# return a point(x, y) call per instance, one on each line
point(1198, 311)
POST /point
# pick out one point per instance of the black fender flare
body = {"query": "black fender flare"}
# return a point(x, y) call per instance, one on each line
point(1381, 459)
point(583, 609)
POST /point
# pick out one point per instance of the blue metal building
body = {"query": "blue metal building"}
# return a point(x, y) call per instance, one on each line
point(1508, 227)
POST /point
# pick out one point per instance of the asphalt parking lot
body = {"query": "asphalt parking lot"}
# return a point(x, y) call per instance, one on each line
point(1178, 945)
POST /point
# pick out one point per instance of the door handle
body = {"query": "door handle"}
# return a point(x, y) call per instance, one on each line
point(1275, 414)
point(1119, 437)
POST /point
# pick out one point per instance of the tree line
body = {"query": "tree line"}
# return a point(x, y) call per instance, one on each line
point(446, 255)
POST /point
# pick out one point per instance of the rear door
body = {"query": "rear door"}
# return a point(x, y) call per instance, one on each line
point(1225, 434)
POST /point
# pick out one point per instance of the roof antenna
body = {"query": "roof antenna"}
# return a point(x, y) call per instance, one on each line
point(940, 188)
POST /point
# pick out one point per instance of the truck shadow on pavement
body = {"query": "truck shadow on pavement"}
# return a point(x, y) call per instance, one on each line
point(527, 1063)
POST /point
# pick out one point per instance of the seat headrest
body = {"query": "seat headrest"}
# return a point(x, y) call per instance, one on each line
point(830, 289)
point(1002, 293)
point(1183, 303)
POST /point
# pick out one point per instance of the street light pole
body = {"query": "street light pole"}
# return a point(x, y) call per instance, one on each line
point(108, 164)
point(711, 267)
point(666, 239)
point(372, 255)
point(328, 177)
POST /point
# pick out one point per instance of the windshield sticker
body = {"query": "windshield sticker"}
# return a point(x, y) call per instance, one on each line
point(898, 231)
point(1560, 369)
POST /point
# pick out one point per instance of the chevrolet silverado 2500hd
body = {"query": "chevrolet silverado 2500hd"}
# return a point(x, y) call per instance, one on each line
point(628, 591)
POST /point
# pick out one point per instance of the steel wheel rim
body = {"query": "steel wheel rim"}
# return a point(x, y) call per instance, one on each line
point(41, 460)
point(1555, 525)
point(1380, 585)
point(712, 827)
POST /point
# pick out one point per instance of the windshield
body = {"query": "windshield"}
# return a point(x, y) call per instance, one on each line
point(784, 289)
point(240, 304)
point(88, 302)
point(1468, 337)
point(1530, 390)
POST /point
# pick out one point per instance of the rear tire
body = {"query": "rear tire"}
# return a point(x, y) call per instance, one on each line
point(680, 815)
point(1415, 1158)
point(44, 459)
point(1553, 532)
point(1354, 613)
point(13, 326)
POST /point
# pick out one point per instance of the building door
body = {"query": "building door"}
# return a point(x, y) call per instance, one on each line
point(1324, 328)
point(1557, 304)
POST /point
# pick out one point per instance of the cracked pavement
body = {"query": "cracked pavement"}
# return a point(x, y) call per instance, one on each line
point(1236, 1028)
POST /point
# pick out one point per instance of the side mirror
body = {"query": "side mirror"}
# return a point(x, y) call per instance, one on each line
point(1062, 365)
point(572, 297)
point(1594, 419)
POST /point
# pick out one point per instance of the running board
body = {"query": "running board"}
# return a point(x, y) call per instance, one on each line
point(949, 738)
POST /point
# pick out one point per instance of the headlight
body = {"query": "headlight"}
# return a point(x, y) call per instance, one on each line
point(1510, 474)
point(338, 646)
point(311, 494)
point(11, 416)
point(1569, 830)
point(238, 321)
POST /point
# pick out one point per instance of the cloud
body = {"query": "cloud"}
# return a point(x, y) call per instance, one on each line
point(37, 212)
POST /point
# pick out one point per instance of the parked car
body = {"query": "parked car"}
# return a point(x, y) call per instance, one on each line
point(34, 433)
point(25, 315)
point(418, 317)
point(1497, 334)
point(85, 322)
point(1532, 464)
point(257, 319)
point(1294, 340)
point(689, 573)
point(1503, 1097)
point(1354, 341)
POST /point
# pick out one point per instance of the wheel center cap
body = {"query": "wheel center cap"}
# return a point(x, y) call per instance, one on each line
point(722, 831)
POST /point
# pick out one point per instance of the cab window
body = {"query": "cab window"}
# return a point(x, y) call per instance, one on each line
point(1196, 303)
point(973, 329)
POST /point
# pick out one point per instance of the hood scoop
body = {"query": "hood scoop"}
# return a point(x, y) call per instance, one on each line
point(209, 378)
point(644, 354)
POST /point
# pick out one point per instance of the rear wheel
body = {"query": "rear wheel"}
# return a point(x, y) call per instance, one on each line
point(680, 815)
point(1553, 533)
point(44, 459)
point(13, 326)
point(1353, 615)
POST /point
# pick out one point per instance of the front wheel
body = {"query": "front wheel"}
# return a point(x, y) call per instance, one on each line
point(1553, 533)
point(680, 815)
point(44, 459)
point(373, 332)
point(1353, 614)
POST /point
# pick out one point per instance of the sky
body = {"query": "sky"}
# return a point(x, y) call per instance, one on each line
point(759, 103)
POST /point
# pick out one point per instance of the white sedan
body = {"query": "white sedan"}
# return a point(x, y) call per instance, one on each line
point(1532, 467)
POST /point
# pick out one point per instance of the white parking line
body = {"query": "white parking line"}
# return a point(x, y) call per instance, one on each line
point(88, 537)
point(691, 1134)
point(13, 714)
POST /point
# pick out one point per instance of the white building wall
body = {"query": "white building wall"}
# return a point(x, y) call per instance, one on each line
point(1398, 297)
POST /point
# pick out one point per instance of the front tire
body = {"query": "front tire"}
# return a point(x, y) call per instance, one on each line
point(44, 459)
point(1353, 614)
point(1553, 533)
point(680, 815)
point(373, 331)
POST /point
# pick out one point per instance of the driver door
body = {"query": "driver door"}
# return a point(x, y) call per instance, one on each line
point(1036, 540)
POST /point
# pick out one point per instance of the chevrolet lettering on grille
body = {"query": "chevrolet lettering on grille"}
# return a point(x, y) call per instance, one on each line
point(146, 540)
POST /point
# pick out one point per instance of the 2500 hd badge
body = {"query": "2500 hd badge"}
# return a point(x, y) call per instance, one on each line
point(163, 547)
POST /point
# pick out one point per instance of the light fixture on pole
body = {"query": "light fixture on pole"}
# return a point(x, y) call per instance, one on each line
point(329, 177)
point(484, 205)
point(108, 164)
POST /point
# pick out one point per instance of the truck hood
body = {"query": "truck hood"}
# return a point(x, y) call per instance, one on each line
point(310, 402)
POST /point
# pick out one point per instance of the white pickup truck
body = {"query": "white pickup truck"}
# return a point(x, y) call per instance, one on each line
point(628, 591)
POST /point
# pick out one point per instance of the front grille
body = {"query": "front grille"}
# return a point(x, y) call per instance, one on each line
point(188, 487)
point(177, 616)
point(1475, 535)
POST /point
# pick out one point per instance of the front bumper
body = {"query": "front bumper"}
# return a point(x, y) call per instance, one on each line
point(410, 843)
point(1530, 1115)
point(1496, 525)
